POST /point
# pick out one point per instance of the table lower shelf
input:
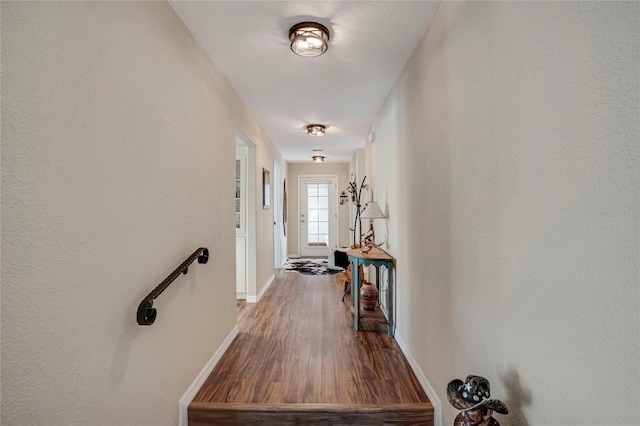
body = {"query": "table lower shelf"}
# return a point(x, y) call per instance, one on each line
point(370, 320)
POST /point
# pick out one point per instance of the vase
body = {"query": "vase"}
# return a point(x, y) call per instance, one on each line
point(368, 296)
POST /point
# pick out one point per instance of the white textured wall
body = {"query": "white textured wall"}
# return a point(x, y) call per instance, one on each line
point(508, 156)
point(118, 142)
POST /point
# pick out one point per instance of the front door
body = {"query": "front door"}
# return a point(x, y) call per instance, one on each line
point(318, 215)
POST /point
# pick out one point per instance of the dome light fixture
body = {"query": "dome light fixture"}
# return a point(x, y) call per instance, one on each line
point(317, 156)
point(309, 39)
point(315, 129)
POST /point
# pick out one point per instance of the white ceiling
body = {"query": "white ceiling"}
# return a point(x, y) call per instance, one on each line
point(370, 43)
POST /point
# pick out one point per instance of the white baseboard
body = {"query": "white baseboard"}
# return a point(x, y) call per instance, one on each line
point(256, 299)
point(293, 256)
point(428, 389)
point(183, 404)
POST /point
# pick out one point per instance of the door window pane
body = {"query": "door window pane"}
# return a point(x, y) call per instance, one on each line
point(318, 214)
point(323, 228)
point(313, 227)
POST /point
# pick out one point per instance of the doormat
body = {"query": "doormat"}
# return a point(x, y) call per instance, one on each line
point(311, 267)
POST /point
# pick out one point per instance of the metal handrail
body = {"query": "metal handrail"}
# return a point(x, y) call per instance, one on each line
point(146, 312)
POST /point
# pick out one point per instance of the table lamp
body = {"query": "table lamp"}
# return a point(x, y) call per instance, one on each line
point(371, 211)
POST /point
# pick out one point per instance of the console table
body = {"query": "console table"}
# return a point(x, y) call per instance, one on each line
point(377, 258)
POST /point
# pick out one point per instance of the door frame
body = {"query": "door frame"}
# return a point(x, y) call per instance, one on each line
point(251, 215)
point(333, 202)
point(242, 155)
point(278, 259)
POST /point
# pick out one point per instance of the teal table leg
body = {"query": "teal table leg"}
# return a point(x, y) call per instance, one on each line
point(355, 291)
point(353, 279)
point(392, 326)
point(355, 286)
point(377, 276)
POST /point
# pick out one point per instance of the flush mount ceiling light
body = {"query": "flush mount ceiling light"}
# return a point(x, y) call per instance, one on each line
point(317, 156)
point(309, 39)
point(315, 129)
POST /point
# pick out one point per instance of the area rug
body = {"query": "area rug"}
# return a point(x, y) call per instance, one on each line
point(311, 266)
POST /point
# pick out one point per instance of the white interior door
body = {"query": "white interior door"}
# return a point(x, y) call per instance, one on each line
point(318, 215)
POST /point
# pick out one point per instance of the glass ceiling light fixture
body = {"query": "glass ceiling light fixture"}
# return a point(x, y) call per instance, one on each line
point(309, 39)
point(315, 129)
point(317, 156)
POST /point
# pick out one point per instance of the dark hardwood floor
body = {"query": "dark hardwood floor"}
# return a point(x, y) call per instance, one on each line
point(298, 360)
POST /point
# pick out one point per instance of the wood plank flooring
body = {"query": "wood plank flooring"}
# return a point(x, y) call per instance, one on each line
point(297, 360)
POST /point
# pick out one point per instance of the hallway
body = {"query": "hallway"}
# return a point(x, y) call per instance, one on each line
point(503, 152)
point(298, 359)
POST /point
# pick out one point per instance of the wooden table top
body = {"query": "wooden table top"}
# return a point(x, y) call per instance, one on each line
point(374, 254)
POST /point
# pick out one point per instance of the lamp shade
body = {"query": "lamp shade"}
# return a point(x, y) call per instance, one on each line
point(372, 211)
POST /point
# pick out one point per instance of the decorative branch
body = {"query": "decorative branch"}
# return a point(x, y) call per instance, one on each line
point(356, 196)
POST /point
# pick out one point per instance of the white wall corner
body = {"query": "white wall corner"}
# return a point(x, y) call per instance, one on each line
point(256, 299)
point(183, 404)
point(426, 386)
